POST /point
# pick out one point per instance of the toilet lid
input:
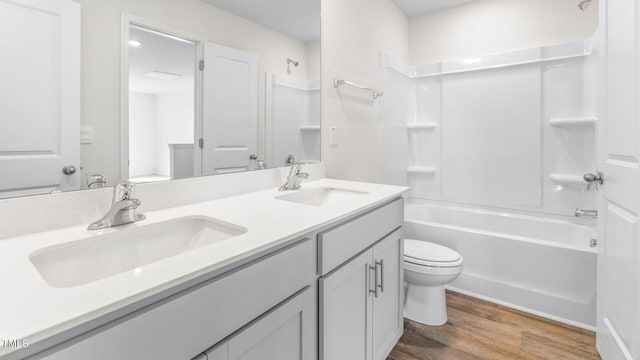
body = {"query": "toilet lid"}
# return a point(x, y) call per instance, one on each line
point(430, 254)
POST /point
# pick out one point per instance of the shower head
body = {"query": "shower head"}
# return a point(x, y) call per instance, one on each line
point(584, 4)
point(293, 62)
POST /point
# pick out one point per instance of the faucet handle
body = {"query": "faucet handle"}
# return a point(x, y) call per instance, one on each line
point(123, 191)
point(594, 179)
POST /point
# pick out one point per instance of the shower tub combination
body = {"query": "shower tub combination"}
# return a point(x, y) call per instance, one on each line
point(538, 264)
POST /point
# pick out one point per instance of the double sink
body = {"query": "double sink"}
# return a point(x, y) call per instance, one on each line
point(90, 259)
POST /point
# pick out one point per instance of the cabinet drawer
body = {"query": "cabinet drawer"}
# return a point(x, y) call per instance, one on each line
point(182, 328)
point(337, 245)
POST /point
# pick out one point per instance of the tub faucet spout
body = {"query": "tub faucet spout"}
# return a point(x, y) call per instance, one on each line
point(586, 213)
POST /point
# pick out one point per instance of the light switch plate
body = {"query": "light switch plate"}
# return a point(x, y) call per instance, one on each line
point(86, 135)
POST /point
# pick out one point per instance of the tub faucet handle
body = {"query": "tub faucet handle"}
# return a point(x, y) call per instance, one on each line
point(591, 179)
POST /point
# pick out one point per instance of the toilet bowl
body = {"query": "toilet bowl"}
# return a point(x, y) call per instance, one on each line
point(428, 268)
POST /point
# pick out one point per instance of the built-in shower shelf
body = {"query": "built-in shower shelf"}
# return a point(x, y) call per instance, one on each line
point(425, 126)
point(573, 122)
point(573, 180)
point(310, 128)
point(421, 170)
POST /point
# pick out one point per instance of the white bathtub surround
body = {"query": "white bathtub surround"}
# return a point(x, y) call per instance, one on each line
point(541, 264)
point(508, 163)
point(527, 125)
point(31, 309)
point(292, 119)
point(428, 267)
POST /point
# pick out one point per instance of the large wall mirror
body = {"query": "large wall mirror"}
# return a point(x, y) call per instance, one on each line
point(95, 92)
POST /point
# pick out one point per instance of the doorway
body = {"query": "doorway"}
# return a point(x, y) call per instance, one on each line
point(161, 102)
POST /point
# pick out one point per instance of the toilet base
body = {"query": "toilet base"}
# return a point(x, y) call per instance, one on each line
point(426, 305)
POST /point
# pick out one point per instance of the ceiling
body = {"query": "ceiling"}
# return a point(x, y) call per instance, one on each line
point(419, 7)
point(163, 54)
point(299, 19)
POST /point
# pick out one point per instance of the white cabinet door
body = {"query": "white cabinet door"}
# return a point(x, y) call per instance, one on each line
point(618, 332)
point(345, 311)
point(285, 333)
point(230, 109)
point(388, 322)
point(39, 96)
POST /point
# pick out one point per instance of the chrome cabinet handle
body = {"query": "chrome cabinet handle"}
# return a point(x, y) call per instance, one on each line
point(375, 283)
point(69, 170)
point(381, 285)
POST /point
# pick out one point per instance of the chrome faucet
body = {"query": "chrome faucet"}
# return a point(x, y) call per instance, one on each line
point(95, 180)
point(123, 208)
point(587, 213)
point(294, 179)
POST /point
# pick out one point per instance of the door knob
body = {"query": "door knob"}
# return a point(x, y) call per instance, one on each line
point(69, 170)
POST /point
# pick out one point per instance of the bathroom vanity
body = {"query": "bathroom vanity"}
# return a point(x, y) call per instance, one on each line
point(308, 274)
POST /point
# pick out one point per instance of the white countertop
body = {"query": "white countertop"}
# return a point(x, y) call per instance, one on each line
point(30, 309)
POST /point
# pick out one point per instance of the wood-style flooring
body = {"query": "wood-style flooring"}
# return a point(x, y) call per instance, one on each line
point(479, 329)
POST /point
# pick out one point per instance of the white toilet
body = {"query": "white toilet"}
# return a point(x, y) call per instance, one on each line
point(427, 268)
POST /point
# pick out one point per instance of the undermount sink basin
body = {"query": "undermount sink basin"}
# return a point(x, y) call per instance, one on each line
point(87, 260)
point(325, 196)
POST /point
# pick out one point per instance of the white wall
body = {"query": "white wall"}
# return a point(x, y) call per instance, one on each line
point(142, 122)
point(101, 62)
point(312, 49)
point(175, 125)
point(493, 26)
point(353, 34)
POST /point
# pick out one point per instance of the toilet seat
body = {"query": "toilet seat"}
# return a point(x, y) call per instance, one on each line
point(424, 253)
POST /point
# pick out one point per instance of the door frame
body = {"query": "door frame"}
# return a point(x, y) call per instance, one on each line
point(128, 20)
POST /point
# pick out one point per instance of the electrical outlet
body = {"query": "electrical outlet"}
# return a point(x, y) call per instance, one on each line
point(333, 136)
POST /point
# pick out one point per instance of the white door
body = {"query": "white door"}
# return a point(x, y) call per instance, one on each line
point(39, 96)
point(618, 333)
point(345, 311)
point(388, 319)
point(230, 109)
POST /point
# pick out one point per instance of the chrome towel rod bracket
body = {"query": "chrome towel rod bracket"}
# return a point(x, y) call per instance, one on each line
point(376, 94)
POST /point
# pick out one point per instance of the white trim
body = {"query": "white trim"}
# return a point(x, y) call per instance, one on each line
point(619, 347)
point(293, 83)
point(268, 117)
point(542, 54)
point(127, 21)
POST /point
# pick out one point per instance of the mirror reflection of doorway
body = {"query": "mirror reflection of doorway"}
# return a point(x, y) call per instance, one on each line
point(162, 89)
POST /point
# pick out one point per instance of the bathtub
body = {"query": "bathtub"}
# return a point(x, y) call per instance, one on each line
point(545, 266)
